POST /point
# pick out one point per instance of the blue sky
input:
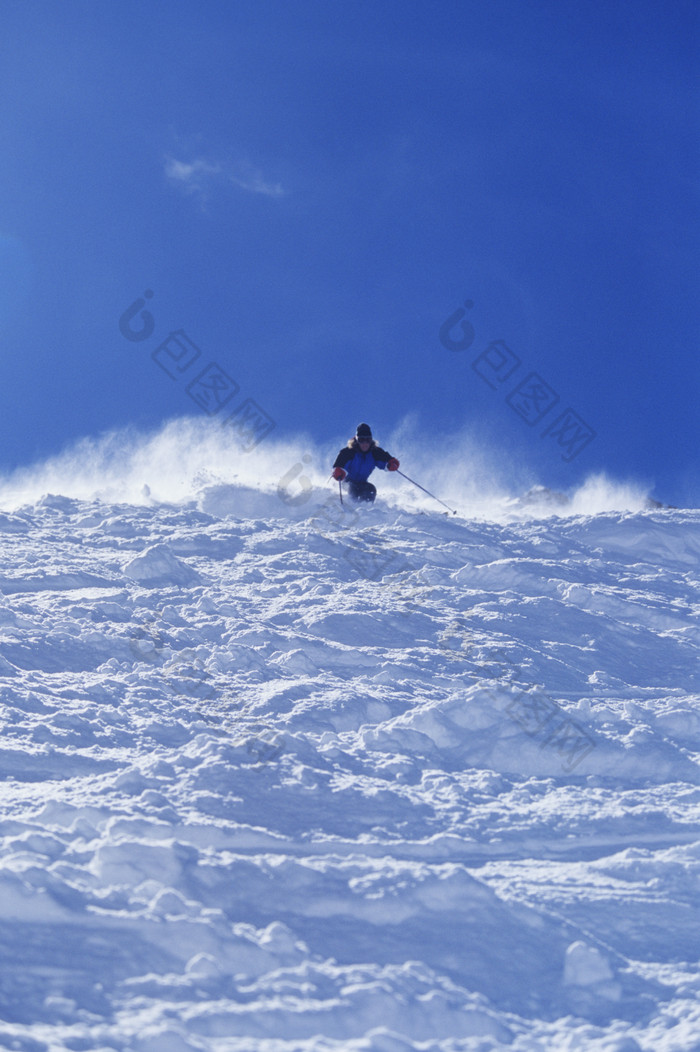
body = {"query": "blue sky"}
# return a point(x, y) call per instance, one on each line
point(310, 190)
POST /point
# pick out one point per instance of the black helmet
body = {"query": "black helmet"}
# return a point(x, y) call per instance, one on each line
point(363, 431)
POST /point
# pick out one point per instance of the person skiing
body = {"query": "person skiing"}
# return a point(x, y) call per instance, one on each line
point(356, 462)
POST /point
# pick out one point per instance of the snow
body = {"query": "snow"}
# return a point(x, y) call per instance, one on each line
point(281, 776)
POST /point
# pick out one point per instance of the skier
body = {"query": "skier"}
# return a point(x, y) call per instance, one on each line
point(357, 461)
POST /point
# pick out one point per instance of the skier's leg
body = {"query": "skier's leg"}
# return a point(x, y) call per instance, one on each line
point(362, 491)
point(366, 492)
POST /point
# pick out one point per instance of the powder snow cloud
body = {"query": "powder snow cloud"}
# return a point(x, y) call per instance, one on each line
point(188, 455)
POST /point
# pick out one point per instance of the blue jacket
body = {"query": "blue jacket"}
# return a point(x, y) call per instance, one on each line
point(359, 465)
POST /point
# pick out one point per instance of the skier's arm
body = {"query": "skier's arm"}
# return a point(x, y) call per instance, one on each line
point(385, 460)
point(343, 457)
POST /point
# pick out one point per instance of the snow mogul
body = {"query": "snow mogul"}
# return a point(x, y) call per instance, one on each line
point(356, 462)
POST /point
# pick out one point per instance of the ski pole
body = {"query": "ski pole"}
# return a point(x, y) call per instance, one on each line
point(427, 491)
point(340, 489)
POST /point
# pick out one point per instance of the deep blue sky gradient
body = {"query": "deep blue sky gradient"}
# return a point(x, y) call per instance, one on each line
point(311, 189)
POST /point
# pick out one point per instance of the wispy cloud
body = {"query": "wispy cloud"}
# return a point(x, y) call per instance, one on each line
point(199, 176)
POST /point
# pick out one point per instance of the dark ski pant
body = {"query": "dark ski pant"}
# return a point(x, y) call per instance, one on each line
point(364, 491)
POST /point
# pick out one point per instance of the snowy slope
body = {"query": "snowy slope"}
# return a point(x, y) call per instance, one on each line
point(285, 777)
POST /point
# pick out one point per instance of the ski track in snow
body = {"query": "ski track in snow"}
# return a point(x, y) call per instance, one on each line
point(365, 781)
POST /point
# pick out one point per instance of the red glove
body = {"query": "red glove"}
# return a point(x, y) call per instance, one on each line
point(340, 473)
point(393, 465)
